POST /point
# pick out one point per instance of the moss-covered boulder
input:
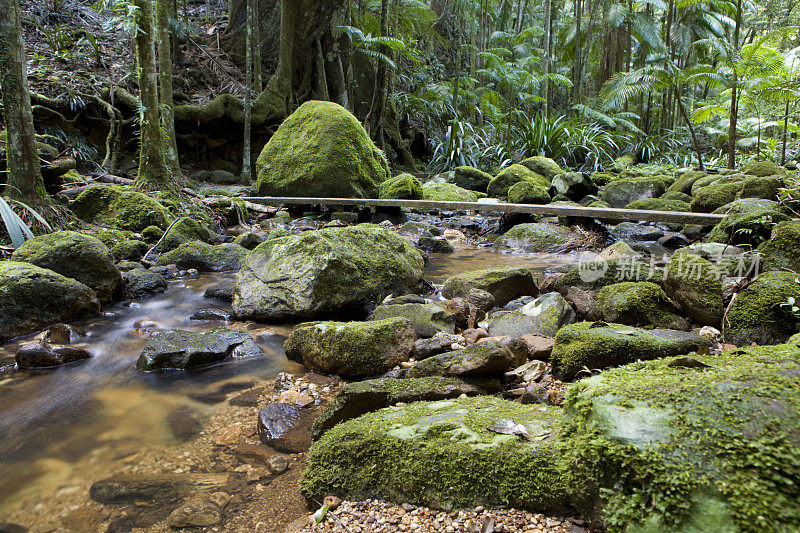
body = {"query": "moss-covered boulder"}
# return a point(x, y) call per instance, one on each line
point(427, 319)
point(587, 346)
point(750, 228)
point(618, 250)
point(447, 192)
point(503, 283)
point(679, 196)
point(544, 166)
point(435, 245)
point(747, 205)
point(141, 283)
point(130, 250)
point(321, 151)
point(205, 257)
point(120, 207)
point(638, 303)
point(402, 187)
point(532, 238)
point(32, 298)
point(659, 204)
point(77, 256)
point(782, 250)
point(662, 446)
point(361, 397)
point(325, 272)
point(184, 231)
point(712, 197)
point(621, 192)
point(249, 240)
point(526, 192)
point(352, 348)
point(696, 285)
point(573, 185)
point(763, 169)
point(592, 275)
point(490, 356)
point(684, 183)
point(761, 313)
point(498, 187)
point(471, 179)
point(445, 455)
point(543, 316)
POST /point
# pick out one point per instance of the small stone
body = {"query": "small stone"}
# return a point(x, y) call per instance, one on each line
point(277, 463)
point(220, 499)
point(199, 513)
point(332, 502)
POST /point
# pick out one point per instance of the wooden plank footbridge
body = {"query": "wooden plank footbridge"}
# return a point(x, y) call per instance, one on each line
point(600, 213)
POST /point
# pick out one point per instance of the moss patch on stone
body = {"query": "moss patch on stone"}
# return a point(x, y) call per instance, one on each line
point(204, 257)
point(120, 207)
point(183, 231)
point(532, 238)
point(402, 187)
point(447, 192)
point(761, 312)
point(500, 184)
point(638, 303)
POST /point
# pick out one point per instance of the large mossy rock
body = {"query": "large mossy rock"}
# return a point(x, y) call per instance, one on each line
point(544, 316)
point(120, 207)
point(696, 285)
point(761, 313)
point(428, 319)
point(573, 185)
point(659, 446)
point(205, 257)
point(763, 169)
point(595, 274)
point(596, 345)
point(638, 303)
point(447, 192)
point(471, 179)
point(684, 183)
point(659, 204)
point(322, 151)
point(711, 197)
point(621, 192)
point(500, 184)
point(352, 348)
point(750, 228)
point(532, 238)
point(441, 454)
point(401, 187)
point(544, 166)
point(361, 397)
point(782, 250)
point(32, 298)
point(324, 272)
point(526, 192)
point(184, 350)
point(77, 256)
point(184, 231)
point(503, 283)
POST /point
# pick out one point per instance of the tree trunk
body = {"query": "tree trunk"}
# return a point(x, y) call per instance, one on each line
point(785, 129)
point(548, 12)
point(577, 68)
point(734, 91)
point(163, 10)
point(691, 129)
point(247, 174)
point(153, 173)
point(255, 42)
point(381, 77)
point(24, 181)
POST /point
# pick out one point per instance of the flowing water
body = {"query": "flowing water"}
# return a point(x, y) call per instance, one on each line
point(51, 419)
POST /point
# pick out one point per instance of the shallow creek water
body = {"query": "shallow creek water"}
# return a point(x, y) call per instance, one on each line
point(50, 420)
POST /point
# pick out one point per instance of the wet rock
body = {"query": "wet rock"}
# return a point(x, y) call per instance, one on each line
point(324, 272)
point(74, 255)
point(471, 179)
point(44, 355)
point(590, 346)
point(760, 312)
point(481, 299)
point(358, 398)
point(535, 393)
point(199, 513)
point(248, 240)
point(638, 303)
point(285, 427)
point(503, 285)
point(185, 423)
point(447, 192)
point(511, 175)
point(205, 257)
point(185, 350)
point(439, 343)
point(532, 238)
point(539, 347)
point(473, 335)
point(403, 187)
point(427, 319)
point(12, 528)
point(63, 334)
point(487, 356)
point(466, 314)
point(277, 464)
point(696, 285)
point(129, 251)
point(352, 348)
point(153, 487)
point(434, 245)
point(543, 316)
point(630, 231)
point(618, 250)
point(528, 371)
point(31, 298)
point(221, 291)
point(211, 313)
point(185, 230)
point(573, 185)
point(621, 192)
point(140, 283)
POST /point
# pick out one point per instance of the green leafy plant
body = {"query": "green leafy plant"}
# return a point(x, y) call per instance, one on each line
point(16, 228)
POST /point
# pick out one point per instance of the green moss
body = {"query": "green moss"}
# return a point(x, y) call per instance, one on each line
point(603, 178)
point(471, 179)
point(677, 196)
point(441, 454)
point(249, 240)
point(544, 166)
point(651, 442)
point(321, 150)
point(782, 250)
point(152, 233)
point(428, 319)
point(526, 192)
point(658, 204)
point(120, 207)
point(131, 250)
point(707, 199)
point(589, 346)
point(763, 168)
point(684, 183)
point(760, 312)
point(747, 205)
point(112, 237)
point(696, 284)
point(532, 238)
point(638, 303)
point(500, 184)
point(204, 257)
point(593, 275)
point(402, 187)
point(503, 283)
point(447, 192)
point(751, 228)
point(184, 231)
point(621, 192)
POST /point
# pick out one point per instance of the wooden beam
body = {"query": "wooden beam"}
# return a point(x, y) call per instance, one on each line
point(601, 213)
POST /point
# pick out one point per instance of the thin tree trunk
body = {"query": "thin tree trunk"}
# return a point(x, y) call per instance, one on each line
point(24, 177)
point(691, 130)
point(734, 92)
point(577, 68)
point(546, 59)
point(256, 45)
point(248, 99)
point(381, 78)
point(279, 86)
point(153, 172)
point(163, 10)
point(785, 129)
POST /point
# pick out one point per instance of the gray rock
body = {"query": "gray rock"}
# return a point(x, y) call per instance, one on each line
point(543, 316)
point(503, 285)
point(630, 231)
point(486, 357)
point(220, 291)
point(205, 257)
point(434, 245)
point(199, 513)
point(43, 355)
point(428, 319)
point(184, 350)
point(141, 283)
point(285, 427)
point(439, 343)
